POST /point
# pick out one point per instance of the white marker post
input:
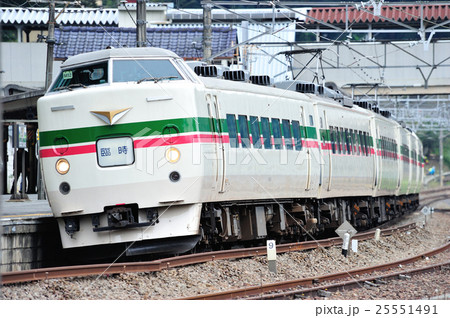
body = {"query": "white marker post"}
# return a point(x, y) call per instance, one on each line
point(426, 211)
point(345, 243)
point(272, 256)
point(355, 246)
point(377, 234)
point(345, 231)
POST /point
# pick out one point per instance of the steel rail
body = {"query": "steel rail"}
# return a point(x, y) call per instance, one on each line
point(190, 259)
point(436, 190)
point(354, 283)
point(262, 289)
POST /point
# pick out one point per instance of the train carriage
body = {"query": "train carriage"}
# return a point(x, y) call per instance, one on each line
point(139, 151)
point(387, 166)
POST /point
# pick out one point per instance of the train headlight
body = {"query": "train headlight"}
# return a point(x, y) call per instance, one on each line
point(62, 166)
point(173, 155)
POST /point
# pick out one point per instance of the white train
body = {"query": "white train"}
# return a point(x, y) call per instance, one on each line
point(140, 150)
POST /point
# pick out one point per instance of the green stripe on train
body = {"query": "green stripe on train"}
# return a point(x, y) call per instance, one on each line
point(141, 129)
point(144, 129)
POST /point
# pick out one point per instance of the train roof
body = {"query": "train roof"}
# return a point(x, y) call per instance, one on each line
point(132, 52)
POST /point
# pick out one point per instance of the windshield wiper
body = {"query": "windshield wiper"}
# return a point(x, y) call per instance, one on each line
point(69, 87)
point(156, 79)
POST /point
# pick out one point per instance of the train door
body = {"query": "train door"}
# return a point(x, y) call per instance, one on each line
point(398, 138)
point(324, 151)
point(217, 130)
point(308, 150)
point(375, 167)
point(408, 154)
point(379, 159)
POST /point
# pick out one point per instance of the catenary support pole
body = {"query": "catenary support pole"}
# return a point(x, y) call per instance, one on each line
point(50, 44)
point(207, 31)
point(141, 23)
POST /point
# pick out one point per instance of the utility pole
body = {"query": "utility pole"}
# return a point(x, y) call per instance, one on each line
point(50, 44)
point(141, 23)
point(207, 31)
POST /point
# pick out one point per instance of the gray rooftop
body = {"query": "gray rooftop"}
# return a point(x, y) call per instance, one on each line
point(118, 53)
point(185, 42)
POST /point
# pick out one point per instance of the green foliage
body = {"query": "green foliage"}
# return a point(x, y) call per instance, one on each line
point(447, 154)
point(89, 3)
point(9, 35)
point(430, 141)
point(110, 3)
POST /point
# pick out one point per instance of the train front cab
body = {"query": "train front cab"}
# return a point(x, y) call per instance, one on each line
point(106, 199)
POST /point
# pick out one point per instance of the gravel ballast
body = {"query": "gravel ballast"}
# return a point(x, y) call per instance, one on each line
point(233, 274)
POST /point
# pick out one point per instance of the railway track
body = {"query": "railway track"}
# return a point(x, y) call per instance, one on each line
point(158, 265)
point(433, 195)
point(267, 291)
point(372, 281)
point(184, 260)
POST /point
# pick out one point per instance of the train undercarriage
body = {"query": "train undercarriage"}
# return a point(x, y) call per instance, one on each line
point(228, 223)
point(225, 225)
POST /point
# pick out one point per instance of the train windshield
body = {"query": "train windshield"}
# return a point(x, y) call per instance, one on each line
point(144, 70)
point(83, 76)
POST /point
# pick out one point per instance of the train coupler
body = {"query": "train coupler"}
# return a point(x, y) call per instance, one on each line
point(124, 216)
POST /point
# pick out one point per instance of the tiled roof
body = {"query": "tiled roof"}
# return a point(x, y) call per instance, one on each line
point(70, 16)
point(110, 17)
point(186, 42)
point(409, 13)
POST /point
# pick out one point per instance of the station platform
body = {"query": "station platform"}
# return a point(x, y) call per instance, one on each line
point(25, 209)
point(29, 234)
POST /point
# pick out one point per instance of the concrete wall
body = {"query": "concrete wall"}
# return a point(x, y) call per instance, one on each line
point(394, 64)
point(29, 244)
point(24, 64)
point(154, 15)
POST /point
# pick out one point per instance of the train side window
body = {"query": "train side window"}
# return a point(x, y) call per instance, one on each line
point(361, 142)
point(381, 147)
point(395, 151)
point(334, 145)
point(343, 141)
point(277, 133)
point(265, 127)
point(386, 146)
point(256, 134)
point(355, 141)
point(338, 140)
point(388, 150)
point(391, 149)
point(243, 129)
point(297, 134)
point(232, 131)
point(366, 143)
point(287, 134)
point(311, 120)
point(361, 139)
point(333, 150)
point(363, 136)
point(348, 141)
